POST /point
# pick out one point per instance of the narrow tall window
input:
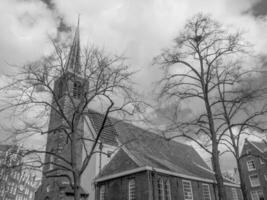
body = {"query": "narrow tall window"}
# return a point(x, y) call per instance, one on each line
point(102, 192)
point(206, 192)
point(234, 193)
point(251, 165)
point(257, 195)
point(51, 161)
point(131, 190)
point(187, 189)
point(77, 89)
point(254, 180)
point(167, 190)
point(160, 189)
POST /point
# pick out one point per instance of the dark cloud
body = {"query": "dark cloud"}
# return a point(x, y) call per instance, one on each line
point(63, 26)
point(260, 8)
point(49, 4)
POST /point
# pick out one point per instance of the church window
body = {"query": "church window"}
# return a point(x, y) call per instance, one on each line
point(160, 189)
point(51, 161)
point(187, 189)
point(131, 189)
point(167, 190)
point(77, 89)
point(102, 192)
point(206, 191)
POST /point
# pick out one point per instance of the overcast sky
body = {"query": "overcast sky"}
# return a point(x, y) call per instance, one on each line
point(137, 28)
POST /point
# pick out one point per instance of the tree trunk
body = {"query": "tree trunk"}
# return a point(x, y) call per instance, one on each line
point(218, 173)
point(76, 184)
point(215, 151)
point(242, 181)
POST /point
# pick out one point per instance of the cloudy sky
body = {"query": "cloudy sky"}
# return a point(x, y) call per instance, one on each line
point(139, 29)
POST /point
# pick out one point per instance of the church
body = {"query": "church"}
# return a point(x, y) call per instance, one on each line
point(132, 163)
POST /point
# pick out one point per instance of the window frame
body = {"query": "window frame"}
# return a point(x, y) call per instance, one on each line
point(234, 193)
point(77, 89)
point(207, 187)
point(191, 190)
point(131, 189)
point(253, 163)
point(253, 185)
point(257, 193)
point(161, 189)
point(167, 190)
point(102, 192)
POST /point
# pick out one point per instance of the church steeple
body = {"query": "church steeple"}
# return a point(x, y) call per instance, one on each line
point(73, 63)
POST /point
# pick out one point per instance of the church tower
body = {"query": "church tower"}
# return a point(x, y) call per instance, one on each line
point(69, 90)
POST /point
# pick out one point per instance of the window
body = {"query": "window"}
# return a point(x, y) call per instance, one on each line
point(251, 165)
point(102, 192)
point(131, 189)
point(254, 180)
point(51, 161)
point(160, 189)
point(77, 89)
point(248, 151)
point(206, 192)
point(234, 193)
point(265, 177)
point(257, 195)
point(261, 162)
point(187, 188)
point(167, 190)
point(48, 188)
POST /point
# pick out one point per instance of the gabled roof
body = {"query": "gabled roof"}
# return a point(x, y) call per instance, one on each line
point(262, 146)
point(149, 149)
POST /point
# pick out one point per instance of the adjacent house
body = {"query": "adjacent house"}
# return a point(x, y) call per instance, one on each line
point(254, 166)
point(15, 182)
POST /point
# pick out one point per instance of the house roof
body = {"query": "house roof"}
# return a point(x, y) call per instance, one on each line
point(145, 148)
point(262, 146)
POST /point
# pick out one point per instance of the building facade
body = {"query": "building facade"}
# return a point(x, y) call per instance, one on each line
point(16, 183)
point(254, 166)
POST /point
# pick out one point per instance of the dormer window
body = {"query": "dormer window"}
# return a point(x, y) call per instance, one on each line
point(77, 89)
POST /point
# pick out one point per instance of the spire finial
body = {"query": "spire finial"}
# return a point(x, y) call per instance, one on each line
point(73, 63)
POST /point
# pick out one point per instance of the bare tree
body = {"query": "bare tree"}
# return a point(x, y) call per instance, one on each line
point(201, 69)
point(66, 87)
point(242, 110)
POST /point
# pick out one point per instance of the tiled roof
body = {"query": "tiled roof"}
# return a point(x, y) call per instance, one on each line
point(260, 145)
point(149, 149)
point(108, 134)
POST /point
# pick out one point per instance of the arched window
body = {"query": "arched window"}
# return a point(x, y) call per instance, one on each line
point(102, 192)
point(160, 189)
point(131, 189)
point(167, 188)
point(77, 89)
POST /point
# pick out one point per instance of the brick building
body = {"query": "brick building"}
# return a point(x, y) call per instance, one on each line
point(16, 183)
point(254, 167)
point(148, 167)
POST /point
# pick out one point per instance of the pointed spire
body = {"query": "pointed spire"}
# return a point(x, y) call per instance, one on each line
point(73, 63)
